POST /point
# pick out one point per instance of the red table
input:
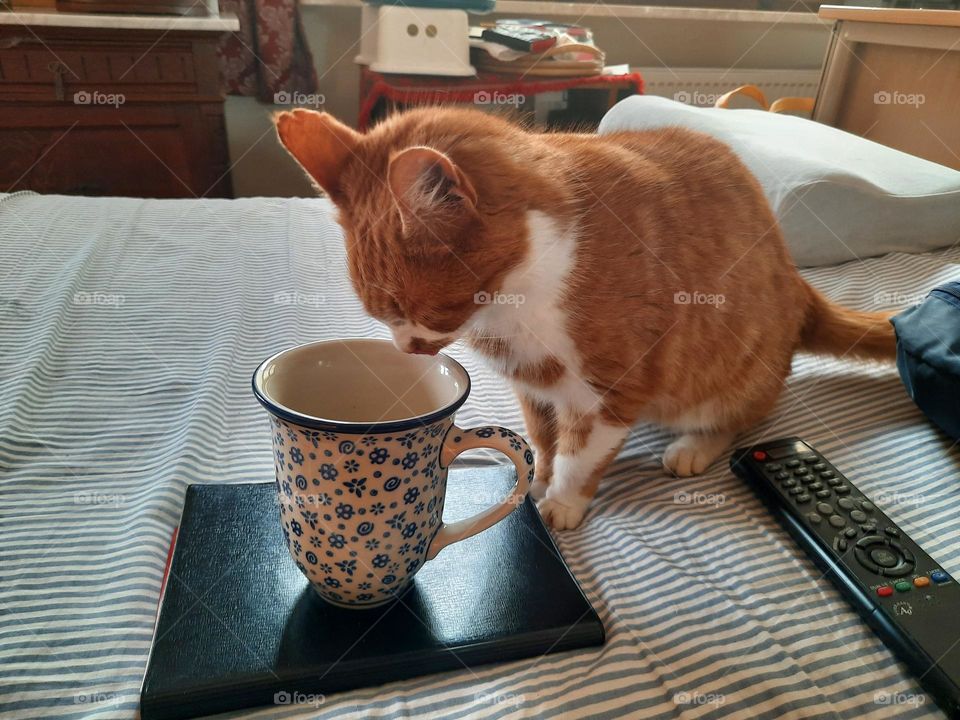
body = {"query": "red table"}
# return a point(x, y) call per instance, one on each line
point(432, 90)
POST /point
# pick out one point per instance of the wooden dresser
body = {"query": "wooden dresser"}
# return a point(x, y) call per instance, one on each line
point(112, 105)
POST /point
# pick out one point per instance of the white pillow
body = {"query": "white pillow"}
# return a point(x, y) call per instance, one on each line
point(838, 196)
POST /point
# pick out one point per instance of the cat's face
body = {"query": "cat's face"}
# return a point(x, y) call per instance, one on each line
point(418, 245)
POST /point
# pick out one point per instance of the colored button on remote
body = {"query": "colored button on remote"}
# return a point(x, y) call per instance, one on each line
point(939, 577)
point(884, 591)
point(902, 586)
point(921, 581)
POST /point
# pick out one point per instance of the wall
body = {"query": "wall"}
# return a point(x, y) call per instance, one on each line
point(661, 38)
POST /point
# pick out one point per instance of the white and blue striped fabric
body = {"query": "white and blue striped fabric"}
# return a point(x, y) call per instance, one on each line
point(128, 333)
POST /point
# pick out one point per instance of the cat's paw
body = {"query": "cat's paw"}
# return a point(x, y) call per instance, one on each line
point(560, 516)
point(538, 490)
point(692, 453)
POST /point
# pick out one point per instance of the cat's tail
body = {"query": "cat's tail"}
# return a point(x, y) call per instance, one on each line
point(834, 330)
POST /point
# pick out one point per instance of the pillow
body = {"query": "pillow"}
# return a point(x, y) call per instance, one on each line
point(928, 355)
point(838, 196)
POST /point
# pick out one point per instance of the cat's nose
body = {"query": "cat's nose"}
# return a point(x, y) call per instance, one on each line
point(419, 346)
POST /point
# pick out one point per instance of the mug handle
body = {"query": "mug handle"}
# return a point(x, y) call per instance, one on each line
point(498, 438)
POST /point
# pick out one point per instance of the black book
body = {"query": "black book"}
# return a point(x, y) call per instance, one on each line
point(239, 626)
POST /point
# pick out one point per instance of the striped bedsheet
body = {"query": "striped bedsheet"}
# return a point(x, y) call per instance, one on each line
point(128, 333)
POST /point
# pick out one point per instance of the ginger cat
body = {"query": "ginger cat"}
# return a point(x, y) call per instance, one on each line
point(634, 276)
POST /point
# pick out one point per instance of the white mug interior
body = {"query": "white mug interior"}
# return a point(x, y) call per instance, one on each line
point(359, 381)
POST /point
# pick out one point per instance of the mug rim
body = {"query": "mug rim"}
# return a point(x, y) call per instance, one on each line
point(317, 423)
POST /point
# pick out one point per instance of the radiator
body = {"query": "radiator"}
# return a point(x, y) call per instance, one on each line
point(702, 86)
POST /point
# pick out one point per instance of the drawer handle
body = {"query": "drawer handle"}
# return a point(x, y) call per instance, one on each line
point(58, 71)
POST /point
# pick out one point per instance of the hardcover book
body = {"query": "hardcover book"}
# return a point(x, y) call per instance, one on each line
point(239, 625)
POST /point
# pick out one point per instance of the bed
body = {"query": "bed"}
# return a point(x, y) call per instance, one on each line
point(128, 333)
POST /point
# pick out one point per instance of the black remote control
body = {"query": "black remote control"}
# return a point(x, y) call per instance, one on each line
point(902, 593)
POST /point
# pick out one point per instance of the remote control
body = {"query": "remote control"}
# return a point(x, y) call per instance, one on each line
point(901, 592)
point(525, 39)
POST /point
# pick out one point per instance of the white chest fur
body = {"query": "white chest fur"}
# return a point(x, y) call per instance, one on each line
point(527, 313)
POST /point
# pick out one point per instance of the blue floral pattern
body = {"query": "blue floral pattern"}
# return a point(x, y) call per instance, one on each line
point(359, 512)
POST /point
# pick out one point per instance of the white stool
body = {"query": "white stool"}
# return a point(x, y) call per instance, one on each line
point(415, 40)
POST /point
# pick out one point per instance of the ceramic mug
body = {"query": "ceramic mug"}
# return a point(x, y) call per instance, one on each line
point(363, 435)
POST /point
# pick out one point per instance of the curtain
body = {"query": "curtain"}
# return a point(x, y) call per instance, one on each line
point(269, 54)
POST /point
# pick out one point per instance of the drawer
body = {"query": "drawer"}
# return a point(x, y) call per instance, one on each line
point(139, 66)
point(136, 150)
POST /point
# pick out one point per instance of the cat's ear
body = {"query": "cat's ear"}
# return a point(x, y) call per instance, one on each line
point(320, 143)
point(424, 181)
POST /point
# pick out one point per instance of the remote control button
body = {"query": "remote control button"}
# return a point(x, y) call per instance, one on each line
point(921, 581)
point(846, 503)
point(884, 591)
point(939, 577)
point(825, 508)
point(803, 498)
point(796, 491)
point(892, 532)
point(808, 480)
point(814, 518)
point(791, 483)
point(898, 571)
point(773, 467)
point(907, 555)
point(866, 562)
point(837, 521)
point(870, 540)
point(867, 506)
point(793, 463)
point(800, 471)
point(813, 485)
point(902, 586)
point(858, 515)
point(809, 459)
point(827, 474)
point(759, 455)
point(850, 532)
point(781, 476)
point(833, 482)
point(841, 545)
point(884, 558)
point(842, 489)
point(870, 526)
point(823, 494)
point(820, 466)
